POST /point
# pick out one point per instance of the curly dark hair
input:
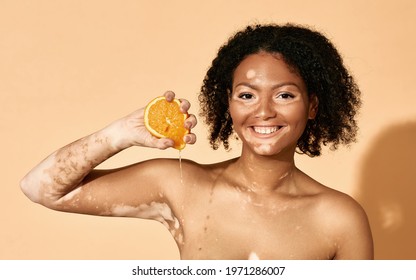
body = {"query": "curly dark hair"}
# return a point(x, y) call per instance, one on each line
point(313, 57)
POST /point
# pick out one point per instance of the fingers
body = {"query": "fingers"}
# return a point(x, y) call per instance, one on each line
point(163, 143)
point(169, 95)
point(190, 122)
point(190, 138)
point(185, 105)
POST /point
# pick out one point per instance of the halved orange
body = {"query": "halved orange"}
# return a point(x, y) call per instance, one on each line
point(163, 119)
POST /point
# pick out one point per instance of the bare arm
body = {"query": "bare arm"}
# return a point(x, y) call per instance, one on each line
point(67, 180)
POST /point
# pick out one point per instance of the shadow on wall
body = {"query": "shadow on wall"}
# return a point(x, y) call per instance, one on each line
point(388, 192)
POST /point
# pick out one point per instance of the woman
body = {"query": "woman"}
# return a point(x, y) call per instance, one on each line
point(281, 89)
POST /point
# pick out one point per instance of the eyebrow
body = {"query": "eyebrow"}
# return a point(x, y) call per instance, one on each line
point(250, 85)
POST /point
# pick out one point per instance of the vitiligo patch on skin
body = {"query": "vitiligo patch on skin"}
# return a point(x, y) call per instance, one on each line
point(71, 195)
point(250, 74)
point(156, 211)
point(263, 148)
point(58, 171)
point(160, 212)
point(253, 256)
point(34, 192)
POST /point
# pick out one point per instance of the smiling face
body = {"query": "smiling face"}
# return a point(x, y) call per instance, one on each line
point(269, 104)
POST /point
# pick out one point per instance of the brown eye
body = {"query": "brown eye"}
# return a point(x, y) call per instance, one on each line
point(245, 95)
point(285, 95)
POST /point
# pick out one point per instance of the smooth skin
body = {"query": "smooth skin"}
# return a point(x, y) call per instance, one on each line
point(256, 206)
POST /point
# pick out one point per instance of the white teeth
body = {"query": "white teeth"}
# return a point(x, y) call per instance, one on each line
point(265, 130)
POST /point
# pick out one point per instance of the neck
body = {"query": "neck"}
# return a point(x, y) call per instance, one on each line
point(262, 174)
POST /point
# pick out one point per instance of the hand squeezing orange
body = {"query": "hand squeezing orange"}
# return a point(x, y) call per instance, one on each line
point(164, 119)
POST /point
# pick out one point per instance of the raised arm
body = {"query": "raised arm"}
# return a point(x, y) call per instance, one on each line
point(67, 180)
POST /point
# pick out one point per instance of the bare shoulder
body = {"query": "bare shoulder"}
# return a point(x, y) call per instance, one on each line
point(329, 202)
point(192, 170)
point(345, 221)
point(181, 177)
point(335, 204)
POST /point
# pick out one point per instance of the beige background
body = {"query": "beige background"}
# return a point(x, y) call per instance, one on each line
point(68, 68)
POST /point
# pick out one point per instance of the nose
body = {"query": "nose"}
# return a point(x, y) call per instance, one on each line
point(265, 110)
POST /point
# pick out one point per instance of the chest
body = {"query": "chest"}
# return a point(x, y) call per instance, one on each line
point(240, 227)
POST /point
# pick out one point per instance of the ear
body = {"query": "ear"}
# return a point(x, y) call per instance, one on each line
point(313, 106)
